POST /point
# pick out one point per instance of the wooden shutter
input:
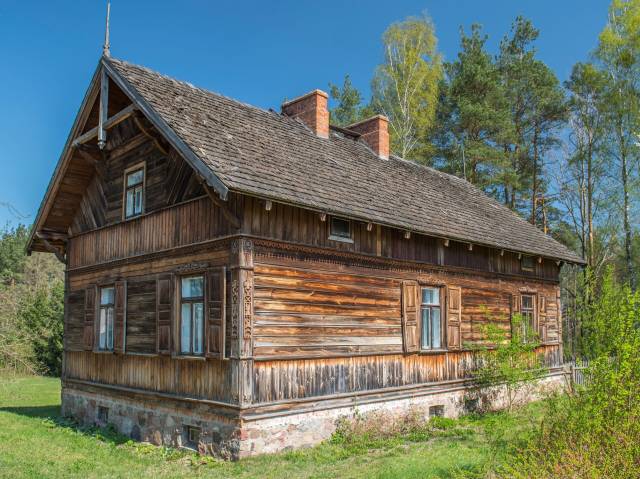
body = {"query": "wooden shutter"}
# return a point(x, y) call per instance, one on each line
point(119, 326)
point(90, 306)
point(216, 305)
point(454, 316)
point(410, 316)
point(164, 312)
point(542, 318)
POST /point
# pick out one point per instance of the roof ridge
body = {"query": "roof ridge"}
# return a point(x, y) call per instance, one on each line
point(194, 87)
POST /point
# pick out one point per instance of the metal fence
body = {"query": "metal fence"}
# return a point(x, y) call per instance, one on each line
point(578, 372)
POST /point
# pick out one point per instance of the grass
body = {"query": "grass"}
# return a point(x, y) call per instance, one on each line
point(36, 442)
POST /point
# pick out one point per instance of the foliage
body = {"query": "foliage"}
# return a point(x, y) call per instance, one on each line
point(349, 107)
point(405, 87)
point(31, 307)
point(36, 442)
point(509, 360)
point(474, 115)
point(595, 432)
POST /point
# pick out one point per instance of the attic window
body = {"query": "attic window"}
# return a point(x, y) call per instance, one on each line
point(134, 191)
point(526, 263)
point(340, 229)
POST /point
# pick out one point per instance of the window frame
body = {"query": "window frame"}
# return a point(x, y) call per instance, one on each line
point(106, 307)
point(440, 306)
point(192, 300)
point(529, 316)
point(527, 267)
point(337, 237)
point(142, 166)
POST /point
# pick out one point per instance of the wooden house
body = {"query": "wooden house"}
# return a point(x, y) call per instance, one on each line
point(237, 279)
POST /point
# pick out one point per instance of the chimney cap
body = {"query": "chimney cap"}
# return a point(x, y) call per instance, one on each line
point(306, 95)
point(367, 120)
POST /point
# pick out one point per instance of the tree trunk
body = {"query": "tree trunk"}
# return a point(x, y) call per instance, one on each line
point(534, 178)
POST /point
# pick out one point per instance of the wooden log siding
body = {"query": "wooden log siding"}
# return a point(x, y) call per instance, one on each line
point(301, 312)
point(195, 379)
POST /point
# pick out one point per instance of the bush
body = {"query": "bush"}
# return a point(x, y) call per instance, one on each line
point(595, 431)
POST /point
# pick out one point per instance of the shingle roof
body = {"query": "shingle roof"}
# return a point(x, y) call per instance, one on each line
point(266, 154)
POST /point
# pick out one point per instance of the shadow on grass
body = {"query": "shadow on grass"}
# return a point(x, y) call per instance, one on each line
point(51, 417)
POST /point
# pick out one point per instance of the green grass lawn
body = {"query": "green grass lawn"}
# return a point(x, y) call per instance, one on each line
point(36, 442)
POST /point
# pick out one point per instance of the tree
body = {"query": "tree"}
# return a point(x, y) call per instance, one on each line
point(475, 116)
point(538, 111)
point(619, 54)
point(349, 107)
point(585, 170)
point(405, 86)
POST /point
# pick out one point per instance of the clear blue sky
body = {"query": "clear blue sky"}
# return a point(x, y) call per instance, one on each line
point(256, 51)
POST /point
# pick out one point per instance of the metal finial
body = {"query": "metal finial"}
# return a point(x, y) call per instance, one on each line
point(105, 47)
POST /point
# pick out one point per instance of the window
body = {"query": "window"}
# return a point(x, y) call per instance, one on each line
point(340, 229)
point(107, 302)
point(134, 192)
point(192, 315)
point(526, 263)
point(527, 311)
point(431, 319)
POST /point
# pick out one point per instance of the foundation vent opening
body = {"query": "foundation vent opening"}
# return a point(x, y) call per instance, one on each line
point(191, 437)
point(436, 411)
point(103, 416)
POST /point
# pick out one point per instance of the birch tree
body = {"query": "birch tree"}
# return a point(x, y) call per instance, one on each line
point(405, 86)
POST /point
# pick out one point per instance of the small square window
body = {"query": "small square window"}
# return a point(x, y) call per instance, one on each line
point(436, 411)
point(526, 263)
point(340, 229)
point(192, 436)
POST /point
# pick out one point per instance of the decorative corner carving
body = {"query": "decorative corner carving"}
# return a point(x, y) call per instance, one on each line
point(247, 308)
point(235, 309)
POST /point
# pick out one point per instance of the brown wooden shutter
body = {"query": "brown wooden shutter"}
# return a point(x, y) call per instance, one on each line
point(90, 306)
point(164, 311)
point(454, 316)
point(216, 305)
point(119, 327)
point(410, 316)
point(542, 318)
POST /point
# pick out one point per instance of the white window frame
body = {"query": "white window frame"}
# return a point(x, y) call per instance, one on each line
point(194, 348)
point(431, 307)
point(528, 315)
point(106, 319)
point(142, 186)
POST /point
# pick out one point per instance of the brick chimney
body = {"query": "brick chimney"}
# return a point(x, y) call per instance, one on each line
point(312, 110)
point(375, 133)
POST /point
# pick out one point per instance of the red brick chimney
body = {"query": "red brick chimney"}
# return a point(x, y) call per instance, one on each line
point(375, 132)
point(312, 110)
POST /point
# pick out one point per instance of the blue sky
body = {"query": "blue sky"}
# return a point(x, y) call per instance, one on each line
point(256, 51)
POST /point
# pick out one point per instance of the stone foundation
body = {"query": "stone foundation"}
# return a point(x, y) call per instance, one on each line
point(155, 421)
point(232, 435)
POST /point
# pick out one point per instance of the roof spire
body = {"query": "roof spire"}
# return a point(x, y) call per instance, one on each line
point(105, 47)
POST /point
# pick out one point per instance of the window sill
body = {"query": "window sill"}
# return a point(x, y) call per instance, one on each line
point(340, 239)
point(433, 351)
point(104, 351)
point(188, 357)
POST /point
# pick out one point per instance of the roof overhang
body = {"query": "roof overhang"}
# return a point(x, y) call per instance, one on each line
point(37, 239)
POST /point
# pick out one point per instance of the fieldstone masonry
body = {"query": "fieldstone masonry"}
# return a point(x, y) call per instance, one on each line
point(161, 423)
